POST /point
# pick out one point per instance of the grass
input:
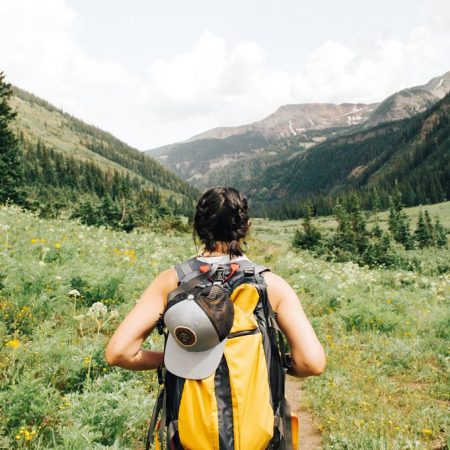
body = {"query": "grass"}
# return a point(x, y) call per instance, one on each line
point(385, 332)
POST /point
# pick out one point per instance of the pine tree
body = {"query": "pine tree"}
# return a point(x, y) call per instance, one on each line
point(110, 212)
point(11, 170)
point(429, 224)
point(422, 232)
point(124, 193)
point(358, 224)
point(398, 220)
point(440, 234)
point(311, 236)
point(376, 201)
point(87, 213)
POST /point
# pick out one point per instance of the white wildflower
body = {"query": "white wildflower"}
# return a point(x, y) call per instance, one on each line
point(97, 310)
point(114, 313)
point(42, 263)
point(74, 293)
point(5, 227)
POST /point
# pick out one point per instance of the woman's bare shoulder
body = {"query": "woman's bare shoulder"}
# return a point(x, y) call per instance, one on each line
point(160, 286)
point(277, 288)
point(166, 280)
point(274, 279)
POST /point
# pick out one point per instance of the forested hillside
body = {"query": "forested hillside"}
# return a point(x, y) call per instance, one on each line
point(414, 153)
point(67, 163)
point(297, 127)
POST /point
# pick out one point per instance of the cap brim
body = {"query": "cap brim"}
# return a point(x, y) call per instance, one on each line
point(190, 364)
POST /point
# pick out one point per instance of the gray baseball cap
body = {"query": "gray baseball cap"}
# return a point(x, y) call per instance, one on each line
point(198, 325)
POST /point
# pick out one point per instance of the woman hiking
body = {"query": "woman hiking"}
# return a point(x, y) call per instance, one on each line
point(224, 377)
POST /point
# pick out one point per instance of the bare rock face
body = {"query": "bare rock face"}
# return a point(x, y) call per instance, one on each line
point(411, 101)
point(293, 120)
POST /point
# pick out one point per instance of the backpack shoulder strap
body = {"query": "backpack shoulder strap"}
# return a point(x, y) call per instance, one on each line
point(248, 268)
point(186, 268)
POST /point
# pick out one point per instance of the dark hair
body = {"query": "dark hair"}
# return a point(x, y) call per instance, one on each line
point(221, 215)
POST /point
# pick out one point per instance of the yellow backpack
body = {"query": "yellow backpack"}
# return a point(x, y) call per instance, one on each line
point(242, 404)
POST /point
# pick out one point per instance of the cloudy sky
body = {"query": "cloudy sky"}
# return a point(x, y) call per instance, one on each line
point(154, 72)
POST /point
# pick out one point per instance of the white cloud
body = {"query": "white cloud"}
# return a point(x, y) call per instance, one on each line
point(39, 53)
point(212, 84)
point(232, 85)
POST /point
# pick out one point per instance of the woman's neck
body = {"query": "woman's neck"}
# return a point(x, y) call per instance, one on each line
point(220, 249)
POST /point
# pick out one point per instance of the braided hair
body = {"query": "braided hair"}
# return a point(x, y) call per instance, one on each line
point(221, 216)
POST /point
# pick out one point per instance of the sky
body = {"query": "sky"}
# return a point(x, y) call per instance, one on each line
point(153, 73)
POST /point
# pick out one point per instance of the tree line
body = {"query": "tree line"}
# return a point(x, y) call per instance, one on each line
point(412, 155)
point(42, 179)
point(354, 241)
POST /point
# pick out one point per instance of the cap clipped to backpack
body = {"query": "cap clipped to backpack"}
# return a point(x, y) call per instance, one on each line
point(198, 322)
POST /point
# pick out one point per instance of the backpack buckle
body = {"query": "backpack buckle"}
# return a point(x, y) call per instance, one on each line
point(249, 272)
point(219, 276)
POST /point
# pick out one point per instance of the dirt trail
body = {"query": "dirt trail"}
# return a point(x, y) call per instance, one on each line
point(310, 438)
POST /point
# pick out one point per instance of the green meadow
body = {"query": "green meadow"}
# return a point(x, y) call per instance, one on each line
point(64, 288)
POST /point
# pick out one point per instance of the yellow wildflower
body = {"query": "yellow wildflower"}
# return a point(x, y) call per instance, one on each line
point(13, 343)
point(427, 431)
point(86, 360)
point(37, 241)
point(58, 245)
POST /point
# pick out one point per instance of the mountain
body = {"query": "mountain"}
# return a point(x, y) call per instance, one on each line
point(411, 101)
point(412, 153)
point(293, 120)
point(65, 159)
point(297, 127)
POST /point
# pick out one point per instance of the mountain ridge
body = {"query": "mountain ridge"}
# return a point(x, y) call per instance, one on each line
point(308, 125)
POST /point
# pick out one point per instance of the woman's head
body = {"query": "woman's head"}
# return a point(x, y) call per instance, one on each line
point(221, 218)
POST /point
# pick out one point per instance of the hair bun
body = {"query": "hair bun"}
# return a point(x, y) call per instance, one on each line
point(221, 215)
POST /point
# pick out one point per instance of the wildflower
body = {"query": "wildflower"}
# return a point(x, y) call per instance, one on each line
point(42, 263)
point(13, 343)
point(58, 245)
point(427, 431)
point(114, 313)
point(5, 227)
point(97, 310)
point(74, 293)
point(86, 360)
point(29, 435)
point(37, 241)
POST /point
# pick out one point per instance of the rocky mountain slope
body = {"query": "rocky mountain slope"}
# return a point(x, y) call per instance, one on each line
point(413, 153)
point(297, 127)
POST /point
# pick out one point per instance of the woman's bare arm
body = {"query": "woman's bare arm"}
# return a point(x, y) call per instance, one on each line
point(124, 348)
point(308, 357)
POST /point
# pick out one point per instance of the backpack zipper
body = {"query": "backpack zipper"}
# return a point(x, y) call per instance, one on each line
point(243, 333)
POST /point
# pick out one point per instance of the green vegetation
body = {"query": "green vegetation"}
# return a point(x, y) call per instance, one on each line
point(75, 168)
point(353, 241)
point(385, 333)
point(10, 168)
point(64, 288)
point(385, 328)
point(413, 154)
